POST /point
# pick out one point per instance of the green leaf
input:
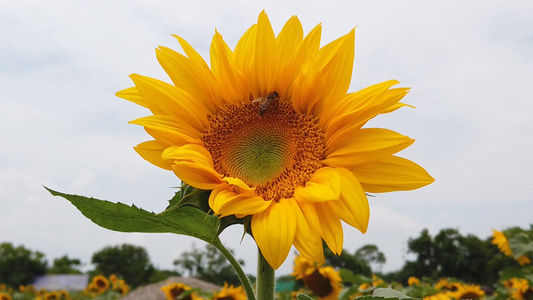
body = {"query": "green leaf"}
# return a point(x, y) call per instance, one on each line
point(520, 245)
point(349, 276)
point(190, 196)
point(303, 297)
point(348, 292)
point(511, 272)
point(389, 293)
point(186, 220)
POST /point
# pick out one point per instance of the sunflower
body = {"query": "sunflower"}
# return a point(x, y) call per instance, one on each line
point(438, 296)
point(467, 291)
point(519, 288)
point(100, 284)
point(63, 295)
point(113, 278)
point(303, 267)
point(229, 292)
point(413, 281)
point(173, 290)
point(499, 239)
point(270, 129)
point(52, 296)
point(324, 282)
point(5, 296)
point(121, 287)
point(442, 284)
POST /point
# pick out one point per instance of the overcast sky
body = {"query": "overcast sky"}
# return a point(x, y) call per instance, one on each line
point(469, 65)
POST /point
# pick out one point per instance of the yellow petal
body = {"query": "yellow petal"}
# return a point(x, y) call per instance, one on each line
point(307, 90)
point(190, 74)
point(170, 130)
point(324, 185)
point(265, 67)
point(290, 36)
point(131, 94)
point(243, 53)
point(307, 239)
point(201, 67)
point(287, 42)
point(355, 109)
point(336, 64)
point(224, 202)
point(152, 152)
point(239, 183)
point(395, 107)
point(232, 87)
point(358, 116)
point(193, 165)
point(274, 230)
point(330, 226)
point(355, 147)
point(165, 99)
point(352, 206)
point(391, 174)
point(305, 83)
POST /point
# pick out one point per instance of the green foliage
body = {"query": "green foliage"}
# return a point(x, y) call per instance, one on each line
point(19, 266)
point(65, 265)
point(207, 264)
point(371, 255)
point(127, 261)
point(450, 254)
point(389, 294)
point(347, 261)
point(186, 214)
point(520, 241)
point(180, 219)
point(160, 275)
point(303, 297)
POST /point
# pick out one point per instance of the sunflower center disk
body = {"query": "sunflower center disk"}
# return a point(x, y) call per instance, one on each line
point(274, 152)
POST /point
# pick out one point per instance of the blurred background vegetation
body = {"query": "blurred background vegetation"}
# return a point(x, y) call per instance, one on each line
point(447, 254)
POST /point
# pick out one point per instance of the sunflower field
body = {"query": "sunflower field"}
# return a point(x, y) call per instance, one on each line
point(310, 280)
point(100, 287)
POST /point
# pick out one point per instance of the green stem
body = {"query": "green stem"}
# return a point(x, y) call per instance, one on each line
point(235, 264)
point(266, 285)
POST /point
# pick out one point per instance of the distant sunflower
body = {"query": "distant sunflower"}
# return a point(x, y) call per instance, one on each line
point(303, 267)
point(413, 281)
point(52, 296)
point(229, 292)
point(173, 290)
point(5, 296)
point(113, 278)
point(63, 295)
point(438, 296)
point(442, 284)
point(499, 239)
point(523, 260)
point(324, 282)
point(119, 285)
point(100, 283)
point(468, 291)
point(519, 289)
point(271, 129)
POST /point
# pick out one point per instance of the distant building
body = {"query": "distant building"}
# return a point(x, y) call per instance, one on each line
point(62, 282)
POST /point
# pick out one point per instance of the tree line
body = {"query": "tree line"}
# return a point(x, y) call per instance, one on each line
point(447, 254)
